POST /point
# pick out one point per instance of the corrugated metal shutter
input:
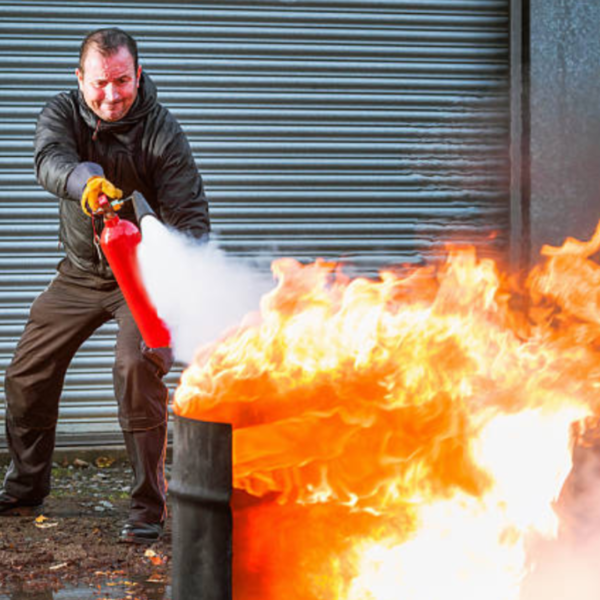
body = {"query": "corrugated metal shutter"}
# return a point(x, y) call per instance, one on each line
point(368, 130)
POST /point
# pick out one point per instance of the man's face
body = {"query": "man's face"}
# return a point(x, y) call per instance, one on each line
point(109, 84)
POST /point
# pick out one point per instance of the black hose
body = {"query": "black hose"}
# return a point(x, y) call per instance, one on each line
point(141, 206)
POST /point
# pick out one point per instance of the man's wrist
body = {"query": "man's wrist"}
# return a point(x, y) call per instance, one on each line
point(79, 177)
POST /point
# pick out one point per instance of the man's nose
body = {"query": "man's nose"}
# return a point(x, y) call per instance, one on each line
point(111, 92)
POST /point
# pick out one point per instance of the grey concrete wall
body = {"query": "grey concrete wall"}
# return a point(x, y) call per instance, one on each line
point(565, 120)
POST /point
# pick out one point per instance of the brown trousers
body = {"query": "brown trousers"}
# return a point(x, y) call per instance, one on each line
point(62, 317)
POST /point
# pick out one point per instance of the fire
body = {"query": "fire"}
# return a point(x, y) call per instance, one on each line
point(406, 436)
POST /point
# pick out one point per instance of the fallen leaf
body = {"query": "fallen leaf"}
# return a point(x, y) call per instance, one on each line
point(103, 462)
point(41, 519)
point(81, 464)
point(156, 578)
point(46, 525)
point(153, 557)
point(56, 567)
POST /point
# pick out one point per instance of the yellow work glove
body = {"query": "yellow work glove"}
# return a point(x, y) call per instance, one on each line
point(95, 186)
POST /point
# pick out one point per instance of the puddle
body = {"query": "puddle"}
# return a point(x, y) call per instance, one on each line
point(122, 588)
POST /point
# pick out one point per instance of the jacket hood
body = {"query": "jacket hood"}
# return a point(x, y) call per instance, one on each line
point(146, 100)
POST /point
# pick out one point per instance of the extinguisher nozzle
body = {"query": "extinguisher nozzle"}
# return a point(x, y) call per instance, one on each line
point(141, 207)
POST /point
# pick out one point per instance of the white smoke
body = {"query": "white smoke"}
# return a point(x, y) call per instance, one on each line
point(198, 291)
point(566, 568)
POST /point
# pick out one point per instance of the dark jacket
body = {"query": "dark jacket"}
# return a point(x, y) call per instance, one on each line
point(145, 151)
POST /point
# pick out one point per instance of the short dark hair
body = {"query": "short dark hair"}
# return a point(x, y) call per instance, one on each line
point(108, 41)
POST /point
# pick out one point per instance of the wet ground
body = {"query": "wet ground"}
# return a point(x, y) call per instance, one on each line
point(72, 550)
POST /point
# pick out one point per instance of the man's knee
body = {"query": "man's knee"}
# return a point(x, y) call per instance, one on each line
point(27, 402)
point(140, 391)
point(128, 364)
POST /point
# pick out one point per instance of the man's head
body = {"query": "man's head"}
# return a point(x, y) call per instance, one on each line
point(108, 73)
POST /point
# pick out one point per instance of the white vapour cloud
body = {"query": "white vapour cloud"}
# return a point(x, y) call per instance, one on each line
point(198, 291)
point(566, 568)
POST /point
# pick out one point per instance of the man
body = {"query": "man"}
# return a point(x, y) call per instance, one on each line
point(110, 136)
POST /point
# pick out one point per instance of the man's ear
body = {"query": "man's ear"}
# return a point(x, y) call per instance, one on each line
point(139, 74)
point(79, 77)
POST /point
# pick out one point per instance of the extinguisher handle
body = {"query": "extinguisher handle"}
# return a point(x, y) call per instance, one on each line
point(106, 208)
point(103, 201)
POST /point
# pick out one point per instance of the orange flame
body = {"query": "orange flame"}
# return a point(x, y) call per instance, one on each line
point(388, 429)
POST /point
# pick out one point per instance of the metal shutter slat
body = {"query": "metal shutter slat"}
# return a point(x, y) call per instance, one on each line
point(354, 129)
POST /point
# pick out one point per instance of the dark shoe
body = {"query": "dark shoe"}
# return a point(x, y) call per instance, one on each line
point(13, 507)
point(135, 532)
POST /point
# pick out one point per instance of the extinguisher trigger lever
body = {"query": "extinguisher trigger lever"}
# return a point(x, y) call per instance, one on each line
point(107, 207)
point(118, 204)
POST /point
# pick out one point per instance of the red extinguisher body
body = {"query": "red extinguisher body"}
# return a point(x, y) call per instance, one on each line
point(119, 242)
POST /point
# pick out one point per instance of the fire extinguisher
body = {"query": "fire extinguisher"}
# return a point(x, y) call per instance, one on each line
point(119, 241)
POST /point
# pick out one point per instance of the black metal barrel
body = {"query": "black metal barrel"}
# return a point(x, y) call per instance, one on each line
point(201, 487)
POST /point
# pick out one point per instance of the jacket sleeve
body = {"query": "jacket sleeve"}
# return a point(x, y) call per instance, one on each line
point(179, 187)
point(58, 167)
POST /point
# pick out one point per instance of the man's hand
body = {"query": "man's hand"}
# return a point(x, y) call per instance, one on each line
point(161, 358)
point(95, 186)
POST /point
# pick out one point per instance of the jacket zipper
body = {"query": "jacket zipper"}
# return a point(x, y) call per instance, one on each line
point(95, 134)
point(95, 237)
